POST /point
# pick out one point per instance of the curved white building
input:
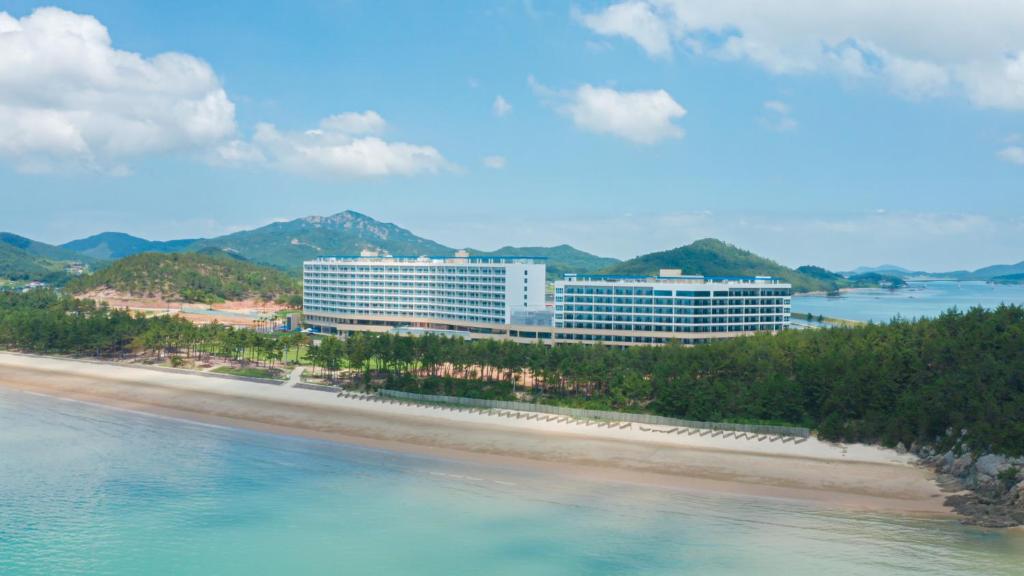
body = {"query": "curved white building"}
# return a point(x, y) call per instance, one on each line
point(656, 310)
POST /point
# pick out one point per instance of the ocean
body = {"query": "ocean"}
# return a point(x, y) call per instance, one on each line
point(917, 300)
point(86, 489)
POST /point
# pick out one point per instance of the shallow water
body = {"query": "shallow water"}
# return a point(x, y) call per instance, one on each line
point(92, 490)
point(919, 299)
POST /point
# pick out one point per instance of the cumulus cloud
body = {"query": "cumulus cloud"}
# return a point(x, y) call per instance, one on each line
point(368, 122)
point(501, 106)
point(921, 48)
point(1014, 154)
point(634, 20)
point(495, 162)
point(341, 145)
point(69, 98)
point(644, 117)
point(237, 152)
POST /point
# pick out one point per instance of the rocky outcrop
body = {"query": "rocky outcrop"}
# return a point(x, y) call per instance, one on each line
point(990, 487)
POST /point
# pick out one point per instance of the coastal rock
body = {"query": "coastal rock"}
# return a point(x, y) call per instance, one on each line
point(946, 462)
point(980, 511)
point(1016, 495)
point(961, 466)
point(991, 465)
point(990, 500)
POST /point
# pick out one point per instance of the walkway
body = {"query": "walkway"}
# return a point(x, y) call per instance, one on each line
point(295, 377)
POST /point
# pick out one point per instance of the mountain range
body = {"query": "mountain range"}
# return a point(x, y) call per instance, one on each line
point(561, 259)
point(985, 273)
point(115, 245)
point(285, 245)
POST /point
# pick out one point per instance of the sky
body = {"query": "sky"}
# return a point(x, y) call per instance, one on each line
point(843, 133)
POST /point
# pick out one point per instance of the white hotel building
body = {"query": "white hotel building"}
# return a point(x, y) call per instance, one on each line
point(503, 297)
point(376, 292)
point(655, 310)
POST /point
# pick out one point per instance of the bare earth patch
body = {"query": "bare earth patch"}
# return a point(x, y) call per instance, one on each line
point(241, 313)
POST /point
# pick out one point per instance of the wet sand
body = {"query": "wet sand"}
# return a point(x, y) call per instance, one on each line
point(843, 476)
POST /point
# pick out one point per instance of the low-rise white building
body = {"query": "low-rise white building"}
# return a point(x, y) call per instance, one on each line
point(656, 310)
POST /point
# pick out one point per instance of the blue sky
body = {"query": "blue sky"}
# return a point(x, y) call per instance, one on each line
point(858, 133)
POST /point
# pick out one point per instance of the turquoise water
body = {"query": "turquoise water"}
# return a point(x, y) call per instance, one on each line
point(91, 490)
point(919, 299)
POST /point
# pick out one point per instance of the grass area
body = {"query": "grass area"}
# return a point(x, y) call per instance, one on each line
point(249, 372)
point(844, 322)
point(827, 319)
point(289, 359)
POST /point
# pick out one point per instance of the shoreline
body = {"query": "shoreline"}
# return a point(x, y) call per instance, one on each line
point(853, 477)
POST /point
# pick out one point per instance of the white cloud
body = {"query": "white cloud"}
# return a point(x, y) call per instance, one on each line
point(236, 152)
point(495, 162)
point(777, 116)
point(69, 98)
point(1014, 154)
point(644, 117)
point(368, 122)
point(339, 146)
point(634, 20)
point(501, 106)
point(921, 48)
point(916, 79)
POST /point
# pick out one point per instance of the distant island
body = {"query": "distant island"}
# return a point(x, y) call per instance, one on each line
point(1008, 279)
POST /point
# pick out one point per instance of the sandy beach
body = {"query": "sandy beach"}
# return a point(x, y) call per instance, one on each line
point(844, 476)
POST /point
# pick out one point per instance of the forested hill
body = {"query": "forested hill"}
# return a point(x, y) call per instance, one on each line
point(190, 277)
point(561, 259)
point(26, 259)
point(16, 264)
point(712, 257)
point(287, 244)
point(114, 245)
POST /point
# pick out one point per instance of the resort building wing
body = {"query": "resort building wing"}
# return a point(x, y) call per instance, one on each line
point(670, 306)
point(450, 293)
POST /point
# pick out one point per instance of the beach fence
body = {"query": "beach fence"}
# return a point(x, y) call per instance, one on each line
point(579, 413)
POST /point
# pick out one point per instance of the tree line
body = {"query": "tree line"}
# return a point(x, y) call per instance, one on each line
point(42, 321)
point(955, 378)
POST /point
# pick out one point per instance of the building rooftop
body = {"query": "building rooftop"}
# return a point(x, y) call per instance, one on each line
point(671, 277)
point(428, 259)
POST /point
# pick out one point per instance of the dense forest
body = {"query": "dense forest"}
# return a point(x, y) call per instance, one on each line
point(955, 378)
point(191, 277)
